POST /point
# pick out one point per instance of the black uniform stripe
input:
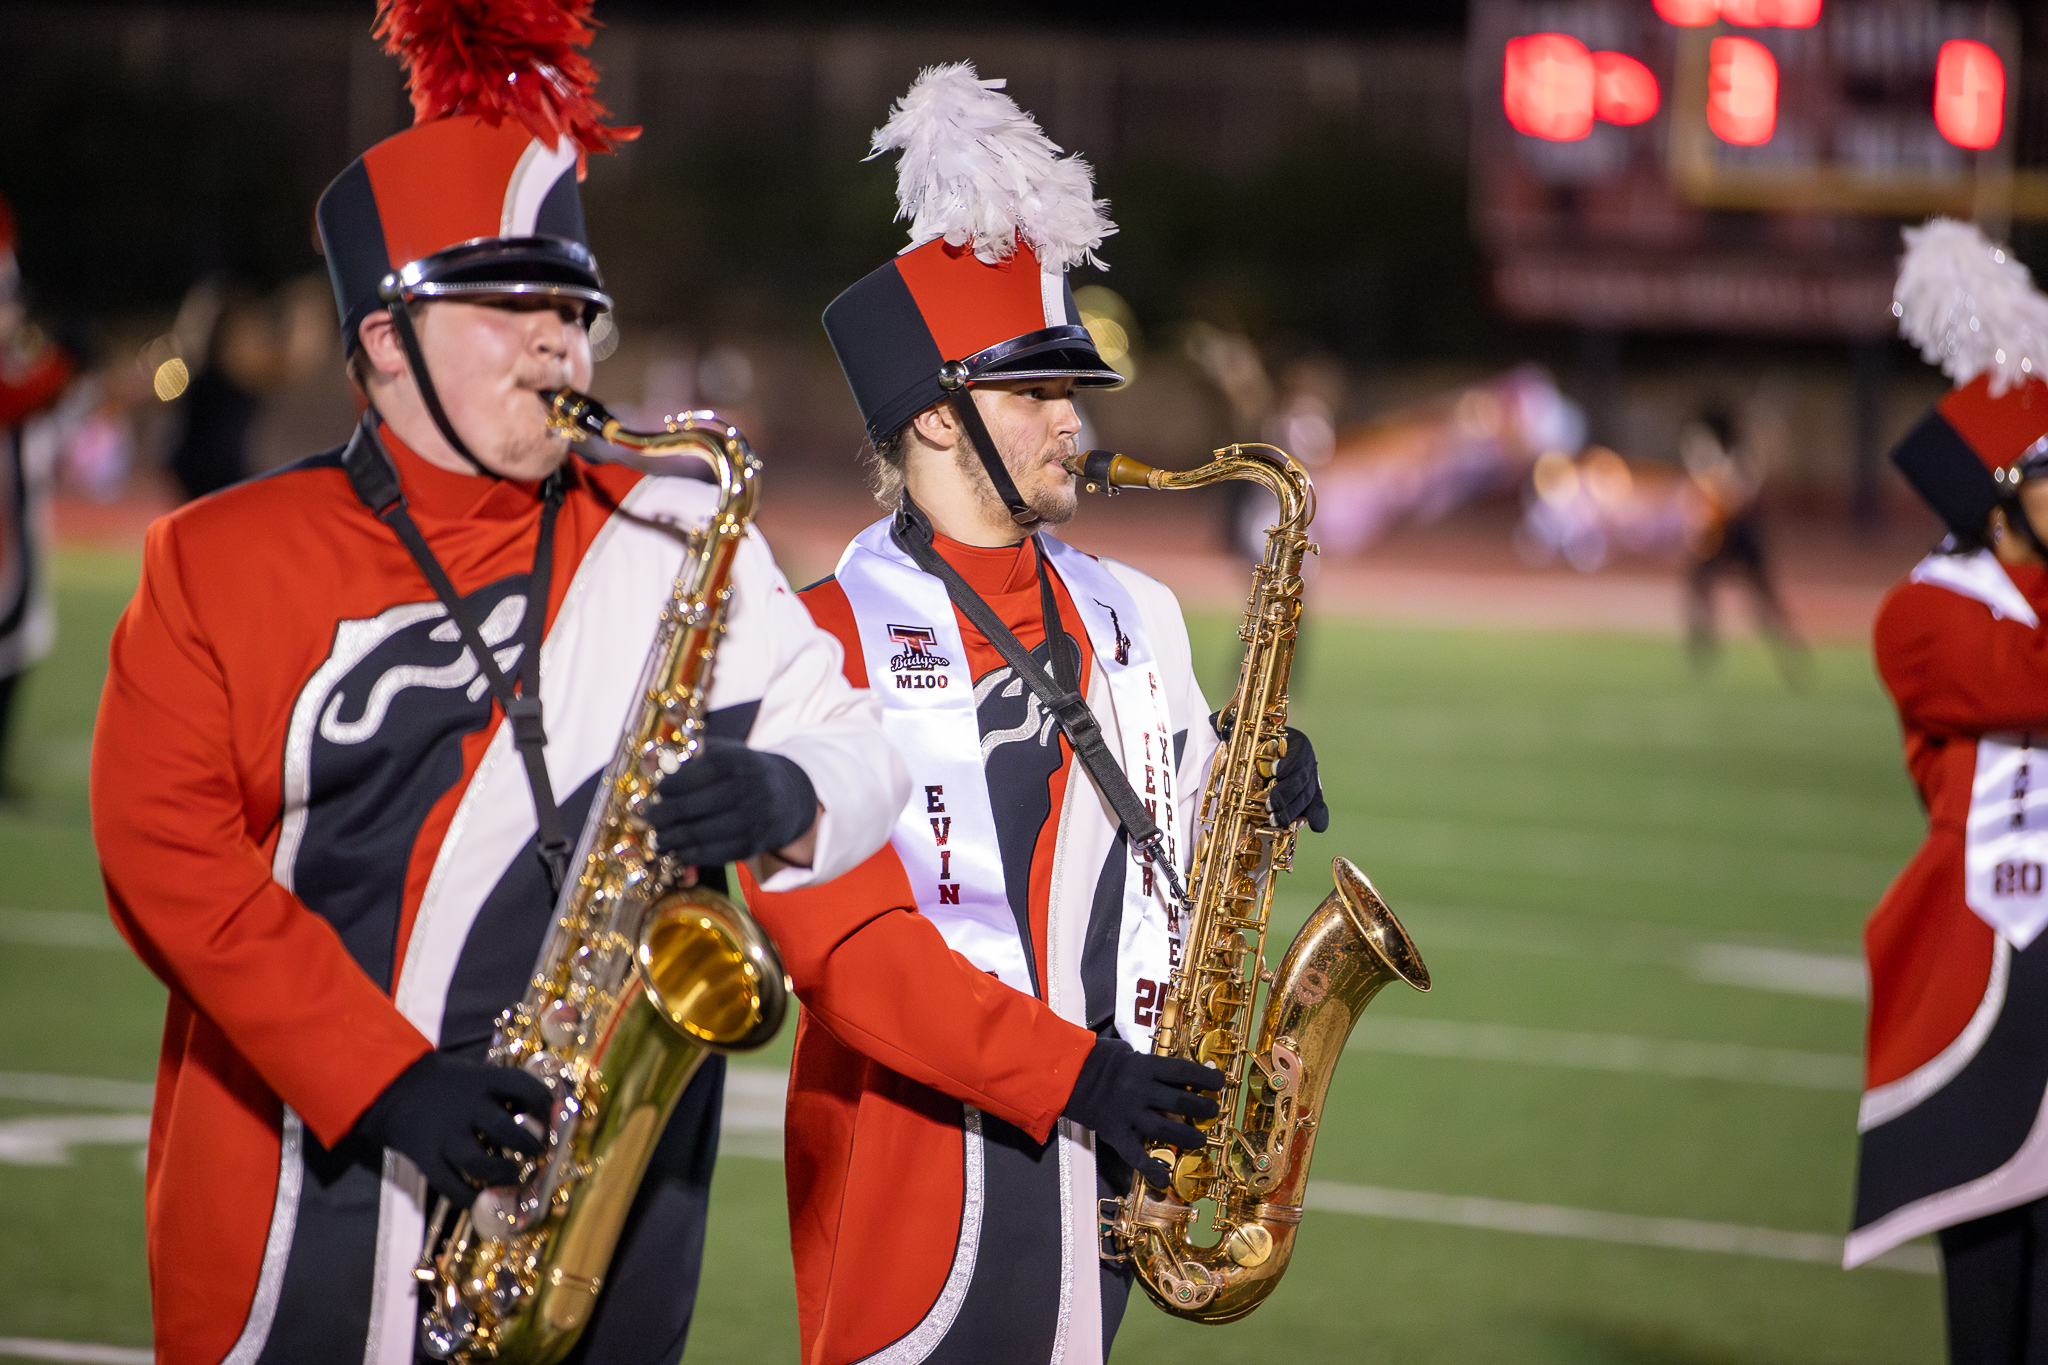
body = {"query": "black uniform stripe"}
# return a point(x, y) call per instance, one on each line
point(1975, 1123)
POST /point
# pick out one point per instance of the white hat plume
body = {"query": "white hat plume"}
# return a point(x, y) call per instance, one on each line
point(1969, 306)
point(976, 170)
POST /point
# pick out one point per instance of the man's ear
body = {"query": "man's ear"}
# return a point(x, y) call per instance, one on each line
point(380, 345)
point(937, 426)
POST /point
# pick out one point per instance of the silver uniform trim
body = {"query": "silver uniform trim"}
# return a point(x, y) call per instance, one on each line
point(277, 1248)
point(1065, 1133)
point(1886, 1102)
point(920, 1341)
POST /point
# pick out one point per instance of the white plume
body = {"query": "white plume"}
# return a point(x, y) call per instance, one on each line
point(977, 170)
point(1969, 306)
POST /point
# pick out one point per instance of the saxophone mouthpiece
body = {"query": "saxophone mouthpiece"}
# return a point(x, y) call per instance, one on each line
point(579, 415)
point(1106, 471)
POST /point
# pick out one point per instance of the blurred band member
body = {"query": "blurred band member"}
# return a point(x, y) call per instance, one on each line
point(33, 376)
point(317, 825)
point(1729, 539)
point(973, 1070)
point(1952, 1116)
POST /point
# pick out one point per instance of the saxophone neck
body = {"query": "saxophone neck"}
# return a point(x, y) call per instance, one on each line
point(701, 436)
point(1256, 462)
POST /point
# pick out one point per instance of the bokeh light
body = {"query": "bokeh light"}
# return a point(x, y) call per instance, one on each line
point(1547, 87)
point(1624, 91)
point(1969, 94)
point(1742, 91)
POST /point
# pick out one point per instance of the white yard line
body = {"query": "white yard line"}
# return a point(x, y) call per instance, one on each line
point(1592, 1225)
point(1797, 969)
point(59, 929)
point(1609, 1052)
point(37, 1088)
point(28, 1348)
point(1832, 976)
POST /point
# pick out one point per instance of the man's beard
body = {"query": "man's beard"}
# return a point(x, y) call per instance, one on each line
point(1052, 505)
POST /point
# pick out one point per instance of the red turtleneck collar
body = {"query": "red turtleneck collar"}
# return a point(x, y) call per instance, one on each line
point(991, 570)
point(443, 493)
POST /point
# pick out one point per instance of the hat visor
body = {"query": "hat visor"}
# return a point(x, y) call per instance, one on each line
point(1057, 352)
point(503, 267)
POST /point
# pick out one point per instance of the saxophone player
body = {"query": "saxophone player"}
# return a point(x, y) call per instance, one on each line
point(356, 711)
point(973, 1068)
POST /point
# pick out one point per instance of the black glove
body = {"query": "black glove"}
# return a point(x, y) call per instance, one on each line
point(1126, 1096)
point(450, 1116)
point(1297, 791)
point(731, 802)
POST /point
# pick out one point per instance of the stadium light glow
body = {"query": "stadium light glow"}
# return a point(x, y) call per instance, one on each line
point(1744, 13)
point(1688, 13)
point(1624, 91)
point(1547, 87)
point(1969, 94)
point(1742, 91)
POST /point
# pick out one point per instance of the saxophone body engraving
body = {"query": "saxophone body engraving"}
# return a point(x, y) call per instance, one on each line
point(1279, 1050)
point(643, 975)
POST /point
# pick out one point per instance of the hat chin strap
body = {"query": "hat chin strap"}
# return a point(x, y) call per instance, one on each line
point(991, 458)
point(401, 322)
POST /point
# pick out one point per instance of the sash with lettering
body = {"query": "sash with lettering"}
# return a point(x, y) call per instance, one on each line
point(946, 836)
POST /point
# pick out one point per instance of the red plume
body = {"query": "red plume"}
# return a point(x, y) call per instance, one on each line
point(494, 59)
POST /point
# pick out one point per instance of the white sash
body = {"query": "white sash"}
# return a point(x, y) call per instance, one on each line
point(2005, 849)
point(946, 836)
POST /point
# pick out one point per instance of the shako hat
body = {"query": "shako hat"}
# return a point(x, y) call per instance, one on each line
point(479, 197)
point(1972, 309)
point(997, 217)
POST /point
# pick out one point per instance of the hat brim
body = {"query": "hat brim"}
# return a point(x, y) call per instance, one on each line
point(503, 267)
point(1066, 352)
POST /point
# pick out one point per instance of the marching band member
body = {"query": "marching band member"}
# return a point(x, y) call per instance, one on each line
point(973, 1068)
point(317, 825)
point(33, 377)
point(1954, 1117)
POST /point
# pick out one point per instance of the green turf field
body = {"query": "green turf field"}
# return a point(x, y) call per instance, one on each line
point(1637, 892)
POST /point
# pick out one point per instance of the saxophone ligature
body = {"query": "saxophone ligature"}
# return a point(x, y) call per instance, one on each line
point(1214, 1243)
point(643, 974)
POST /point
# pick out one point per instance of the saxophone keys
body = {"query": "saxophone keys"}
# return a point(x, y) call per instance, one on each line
point(1249, 1245)
point(1190, 1173)
point(559, 1023)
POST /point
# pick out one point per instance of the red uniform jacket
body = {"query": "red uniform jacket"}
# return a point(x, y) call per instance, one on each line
point(899, 1030)
point(313, 830)
point(1956, 1066)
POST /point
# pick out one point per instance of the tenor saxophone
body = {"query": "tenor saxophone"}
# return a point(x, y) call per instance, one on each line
point(1213, 1244)
point(643, 974)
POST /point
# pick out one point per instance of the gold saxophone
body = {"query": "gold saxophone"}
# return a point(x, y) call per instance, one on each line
point(643, 974)
point(1213, 1245)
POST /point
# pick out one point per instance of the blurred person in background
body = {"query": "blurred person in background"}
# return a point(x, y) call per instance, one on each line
point(248, 346)
point(33, 377)
point(1956, 1072)
point(317, 819)
point(1727, 537)
point(973, 1066)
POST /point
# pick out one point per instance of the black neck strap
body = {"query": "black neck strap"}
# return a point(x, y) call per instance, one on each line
point(375, 480)
point(991, 458)
point(1060, 694)
point(401, 322)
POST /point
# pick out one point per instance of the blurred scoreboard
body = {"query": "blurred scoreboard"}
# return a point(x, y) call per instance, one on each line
point(1735, 165)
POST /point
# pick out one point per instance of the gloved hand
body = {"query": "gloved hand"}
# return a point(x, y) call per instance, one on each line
point(731, 802)
point(451, 1115)
point(1297, 791)
point(1127, 1096)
